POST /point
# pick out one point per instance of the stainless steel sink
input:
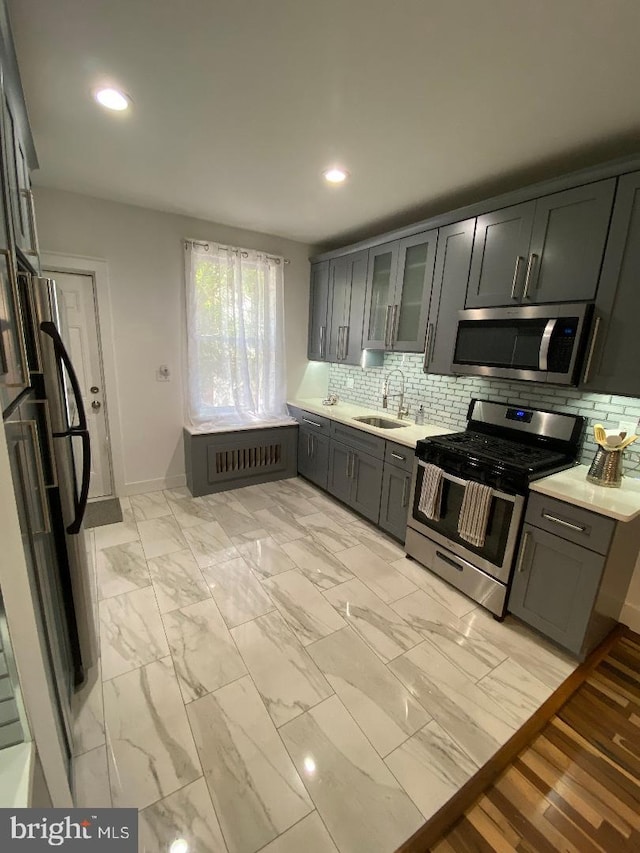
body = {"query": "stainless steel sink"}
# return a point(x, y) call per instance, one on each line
point(381, 423)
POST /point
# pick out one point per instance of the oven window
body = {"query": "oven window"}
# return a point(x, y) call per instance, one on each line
point(500, 515)
point(500, 343)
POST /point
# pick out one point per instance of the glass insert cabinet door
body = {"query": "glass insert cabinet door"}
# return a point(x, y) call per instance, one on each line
point(416, 261)
point(382, 269)
point(400, 277)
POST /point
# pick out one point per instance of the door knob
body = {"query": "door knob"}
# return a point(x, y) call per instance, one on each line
point(95, 404)
point(94, 389)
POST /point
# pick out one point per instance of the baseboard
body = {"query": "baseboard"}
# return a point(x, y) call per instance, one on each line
point(142, 486)
point(630, 616)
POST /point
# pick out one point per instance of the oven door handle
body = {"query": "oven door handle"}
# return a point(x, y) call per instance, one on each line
point(453, 479)
point(543, 357)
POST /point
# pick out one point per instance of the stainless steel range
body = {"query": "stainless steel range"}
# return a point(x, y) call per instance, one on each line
point(470, 488)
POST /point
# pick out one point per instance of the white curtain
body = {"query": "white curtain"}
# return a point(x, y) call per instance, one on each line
point(235, 337)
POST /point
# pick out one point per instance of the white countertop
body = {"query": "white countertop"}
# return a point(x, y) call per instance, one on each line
point(408, 434)
point(15, 776)
point(571, 486)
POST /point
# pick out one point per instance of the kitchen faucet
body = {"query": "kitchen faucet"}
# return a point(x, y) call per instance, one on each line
point(402, 409)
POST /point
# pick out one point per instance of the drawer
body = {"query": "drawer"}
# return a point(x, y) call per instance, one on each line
point(399, 455)
point(310, 420)
point(572, 523)
point(358, 439)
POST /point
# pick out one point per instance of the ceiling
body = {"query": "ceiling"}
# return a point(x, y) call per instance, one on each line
point(239, 105)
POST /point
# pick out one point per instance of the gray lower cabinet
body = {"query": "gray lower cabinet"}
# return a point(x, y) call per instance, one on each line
point(355, 478)
point(572, 573)
point(313, 456)
point(339, 479)
point(394, 505)
point(555, 586)
point(367, 485)
point(612, 365)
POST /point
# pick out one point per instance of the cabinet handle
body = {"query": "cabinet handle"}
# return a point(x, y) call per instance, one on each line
point(516, 274)
point(347, 474)
point(405, 492)
point(313, 423)
point(427, 348)
point(35, 248)
point(345, 341)
point(592, 348)
point(309, 444)
point(398, 456)
point(394, 325)
point(386, 327)
point(13, 281)
point(577, 527)
point(533, 258)
point(523, 549)
point(313, 444)
point(323, 341)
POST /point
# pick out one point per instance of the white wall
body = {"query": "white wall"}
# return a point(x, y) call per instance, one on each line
point(145, 256)
point(631, 611)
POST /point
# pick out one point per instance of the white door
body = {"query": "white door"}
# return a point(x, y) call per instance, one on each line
point(82, 339)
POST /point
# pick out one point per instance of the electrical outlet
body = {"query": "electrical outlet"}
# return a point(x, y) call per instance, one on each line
point(629, 427)
point(163, 374)
point(350, 382)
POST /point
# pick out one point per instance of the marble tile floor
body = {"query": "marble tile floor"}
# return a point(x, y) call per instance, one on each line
point(275, 676)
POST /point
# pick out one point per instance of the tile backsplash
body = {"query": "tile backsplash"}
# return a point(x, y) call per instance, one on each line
point(446, 398)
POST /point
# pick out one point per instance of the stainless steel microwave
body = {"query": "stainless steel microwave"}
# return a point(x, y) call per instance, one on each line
point(538, 343)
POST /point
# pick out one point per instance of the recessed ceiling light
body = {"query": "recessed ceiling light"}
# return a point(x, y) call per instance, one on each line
point(335, 175)
point(112, 99)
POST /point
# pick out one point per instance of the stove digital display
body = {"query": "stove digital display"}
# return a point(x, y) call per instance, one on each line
point(519, 415)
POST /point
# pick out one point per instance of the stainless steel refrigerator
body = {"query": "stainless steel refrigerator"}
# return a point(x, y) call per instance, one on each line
point(47, 438)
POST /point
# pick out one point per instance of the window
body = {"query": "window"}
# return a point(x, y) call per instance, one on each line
point(235, 337)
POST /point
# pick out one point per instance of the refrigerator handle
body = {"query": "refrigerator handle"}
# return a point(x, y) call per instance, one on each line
point(81, 430)
point(62, 355)
point(81, 504)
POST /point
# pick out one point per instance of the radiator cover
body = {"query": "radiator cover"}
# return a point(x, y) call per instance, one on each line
point(228, 460)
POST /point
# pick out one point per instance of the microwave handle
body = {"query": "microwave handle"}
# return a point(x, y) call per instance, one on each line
point(543, 357)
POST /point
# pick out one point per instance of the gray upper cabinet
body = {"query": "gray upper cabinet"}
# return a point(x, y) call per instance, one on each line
point(500, 249)
point(400, 278)
point(548, 250)
point(347, 288)
point(381, 281)
point(318, 311)
point(453, 260)
point(567, 244)
point(612, 364)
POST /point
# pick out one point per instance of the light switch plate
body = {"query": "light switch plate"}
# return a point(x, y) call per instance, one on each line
point(630, 427)
point(350, 382)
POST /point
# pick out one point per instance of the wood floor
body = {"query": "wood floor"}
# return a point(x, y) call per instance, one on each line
point(577, 786)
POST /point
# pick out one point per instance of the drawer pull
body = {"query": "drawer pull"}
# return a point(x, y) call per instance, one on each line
point(449, 561)
point(398, 456)
point(561, 521)
point(523, 551)
point(313, 423)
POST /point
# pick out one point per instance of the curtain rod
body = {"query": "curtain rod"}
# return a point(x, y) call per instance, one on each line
point(244, 254)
